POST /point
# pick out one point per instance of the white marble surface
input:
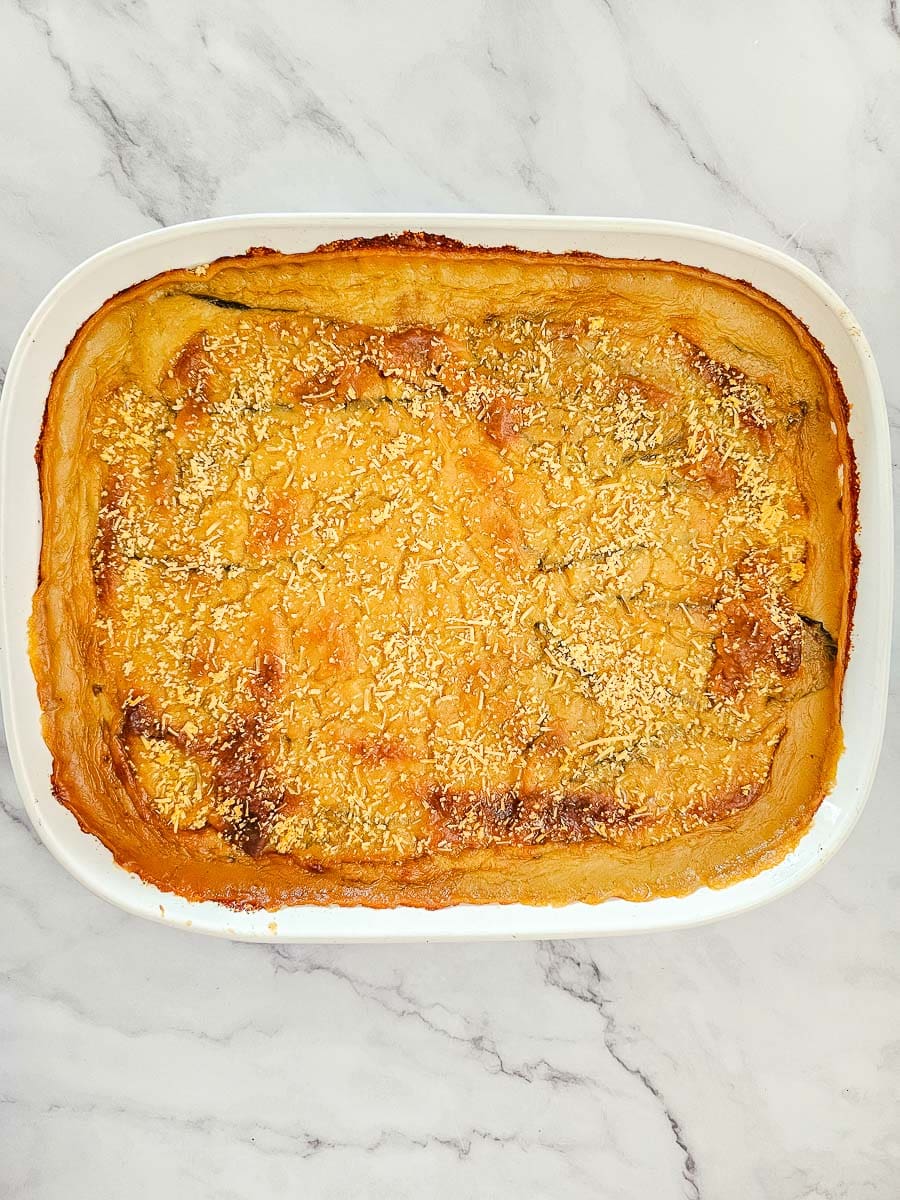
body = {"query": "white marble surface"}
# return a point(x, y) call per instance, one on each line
point(757, 1059)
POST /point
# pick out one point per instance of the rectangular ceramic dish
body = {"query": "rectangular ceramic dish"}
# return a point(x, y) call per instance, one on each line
point(43, 343)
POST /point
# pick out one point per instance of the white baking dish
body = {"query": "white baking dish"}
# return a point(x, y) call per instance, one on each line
point(43, 343)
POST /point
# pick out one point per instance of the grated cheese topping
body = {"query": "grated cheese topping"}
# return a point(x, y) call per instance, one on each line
point(377, 593)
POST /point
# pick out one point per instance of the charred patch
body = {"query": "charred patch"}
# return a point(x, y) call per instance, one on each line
point(140, 718)
point(249, 795)
point(510, 817)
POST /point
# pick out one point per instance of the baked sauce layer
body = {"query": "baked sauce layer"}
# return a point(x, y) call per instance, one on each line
point(406, 572)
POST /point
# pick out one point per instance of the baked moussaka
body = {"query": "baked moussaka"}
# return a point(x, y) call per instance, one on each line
point(409, 572)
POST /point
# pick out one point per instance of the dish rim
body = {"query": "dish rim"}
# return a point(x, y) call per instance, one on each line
point(89, 862)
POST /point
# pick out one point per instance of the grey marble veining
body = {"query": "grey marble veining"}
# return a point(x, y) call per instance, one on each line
point(759, 1058)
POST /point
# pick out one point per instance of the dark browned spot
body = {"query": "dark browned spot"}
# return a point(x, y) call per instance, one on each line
point(140, 718)
point(248, 791)
point(732, 381)
point(352, 381)
point(510, 817)
point(362, 381)
point(186, 383)
point(406, 349)
point(750, 637)
point(419, 356)
point(191, 364)
point(408, 240)
point(719, 375)
point(105, 557)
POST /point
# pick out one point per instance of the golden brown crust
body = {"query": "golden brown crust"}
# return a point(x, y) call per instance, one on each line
point(408, 572)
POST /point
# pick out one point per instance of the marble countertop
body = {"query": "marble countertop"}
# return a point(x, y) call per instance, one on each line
point(759, 1058)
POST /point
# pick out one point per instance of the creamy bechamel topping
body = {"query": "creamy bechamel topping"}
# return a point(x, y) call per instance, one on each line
point(382, 592)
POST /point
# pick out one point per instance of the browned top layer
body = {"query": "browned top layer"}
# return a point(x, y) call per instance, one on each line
point(384, 572)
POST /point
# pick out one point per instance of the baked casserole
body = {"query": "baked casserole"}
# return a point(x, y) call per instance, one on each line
point(408, 572)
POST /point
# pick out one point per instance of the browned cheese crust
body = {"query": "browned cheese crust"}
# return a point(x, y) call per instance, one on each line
point(406, 572)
